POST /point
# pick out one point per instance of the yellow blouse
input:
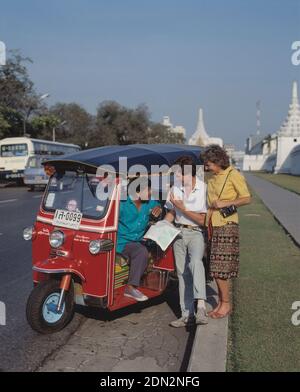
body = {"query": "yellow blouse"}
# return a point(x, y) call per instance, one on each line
point(235, 187)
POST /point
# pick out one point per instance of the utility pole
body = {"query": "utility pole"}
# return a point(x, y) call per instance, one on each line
point(2, 53)
point(258, 114)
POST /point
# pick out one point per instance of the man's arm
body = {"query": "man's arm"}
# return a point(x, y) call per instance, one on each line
point(170, 216)
point(197, 217)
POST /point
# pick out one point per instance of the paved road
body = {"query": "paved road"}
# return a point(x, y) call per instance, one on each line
point(21, 349)
point(137, 338)
point(285, 205)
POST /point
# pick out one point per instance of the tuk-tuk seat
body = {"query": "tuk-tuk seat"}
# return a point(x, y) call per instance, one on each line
point(121, 260)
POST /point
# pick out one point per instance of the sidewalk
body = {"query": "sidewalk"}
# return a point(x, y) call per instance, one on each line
point(283, 204)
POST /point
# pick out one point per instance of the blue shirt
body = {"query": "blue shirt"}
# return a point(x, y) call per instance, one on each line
point(133, 222)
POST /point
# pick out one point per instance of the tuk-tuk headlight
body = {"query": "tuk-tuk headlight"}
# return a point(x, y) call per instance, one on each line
point(95, 247)
point(103, 245)
point(28, 233)
point(56, 239)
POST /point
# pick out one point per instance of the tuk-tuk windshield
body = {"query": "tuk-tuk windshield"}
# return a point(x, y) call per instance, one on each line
point(76, 192)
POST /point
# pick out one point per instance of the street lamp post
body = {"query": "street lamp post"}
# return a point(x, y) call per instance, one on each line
point(54, 129)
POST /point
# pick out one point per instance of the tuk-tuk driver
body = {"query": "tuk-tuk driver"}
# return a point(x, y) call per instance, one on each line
point(133, 221)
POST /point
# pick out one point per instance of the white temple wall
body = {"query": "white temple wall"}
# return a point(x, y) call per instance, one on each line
point(254, 162)
point(285, 145)
point(295, 162)
point(270, 163)
point(273, 148)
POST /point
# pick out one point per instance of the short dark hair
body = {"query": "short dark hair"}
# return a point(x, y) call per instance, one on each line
point(217, 155)
point(146, 183)
point(184, 162)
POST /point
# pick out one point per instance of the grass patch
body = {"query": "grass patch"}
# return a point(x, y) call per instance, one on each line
point(261, 335)
point(286, 181)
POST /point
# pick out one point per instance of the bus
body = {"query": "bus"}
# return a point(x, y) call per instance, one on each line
point(16, 151)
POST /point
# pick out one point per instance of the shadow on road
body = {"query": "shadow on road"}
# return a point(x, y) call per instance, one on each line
point(170, 296)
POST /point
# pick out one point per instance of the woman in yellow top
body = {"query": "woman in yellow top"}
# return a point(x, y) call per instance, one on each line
point(226, 188)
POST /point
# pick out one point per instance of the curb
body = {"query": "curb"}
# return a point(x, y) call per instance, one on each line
point(209, 352)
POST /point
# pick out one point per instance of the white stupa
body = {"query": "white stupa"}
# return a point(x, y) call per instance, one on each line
point(288, 136)
point(291, 126)
point(200, 137)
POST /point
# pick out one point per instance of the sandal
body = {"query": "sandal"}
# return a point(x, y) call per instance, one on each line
point(217, 315)
point(214, 310)
point(211, 312)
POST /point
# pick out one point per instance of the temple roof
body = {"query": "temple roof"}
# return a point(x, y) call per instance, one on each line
point(291, 125)
point(200, 137)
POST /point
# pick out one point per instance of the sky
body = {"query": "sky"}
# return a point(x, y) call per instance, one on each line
point(174, 56)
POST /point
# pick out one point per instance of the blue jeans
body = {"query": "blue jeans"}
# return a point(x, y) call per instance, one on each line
point(188, 252)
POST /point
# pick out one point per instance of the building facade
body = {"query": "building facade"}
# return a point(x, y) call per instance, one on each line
point(179, 129)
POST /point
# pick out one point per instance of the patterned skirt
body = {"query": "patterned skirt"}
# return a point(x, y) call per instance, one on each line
point(224, 252)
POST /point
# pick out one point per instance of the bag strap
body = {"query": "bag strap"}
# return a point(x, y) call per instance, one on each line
point(224, 184)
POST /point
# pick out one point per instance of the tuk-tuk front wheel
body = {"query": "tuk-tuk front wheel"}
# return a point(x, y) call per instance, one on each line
point(41, 310)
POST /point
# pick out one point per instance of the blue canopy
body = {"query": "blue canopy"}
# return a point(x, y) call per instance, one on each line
point(142, 154)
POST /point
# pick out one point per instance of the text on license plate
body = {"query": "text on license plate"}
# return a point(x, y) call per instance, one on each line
point(67, 219)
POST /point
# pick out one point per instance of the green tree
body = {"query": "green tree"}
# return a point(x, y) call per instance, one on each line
point(11, 122)
point(74, 124)
point(42, 126)
point(4, 126)
point(116, 124)
point(17, 94)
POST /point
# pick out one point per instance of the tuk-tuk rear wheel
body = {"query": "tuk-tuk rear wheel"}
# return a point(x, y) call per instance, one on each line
point(39, 302)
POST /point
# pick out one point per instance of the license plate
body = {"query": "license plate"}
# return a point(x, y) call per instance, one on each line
point(68, 219)
point(38, 178)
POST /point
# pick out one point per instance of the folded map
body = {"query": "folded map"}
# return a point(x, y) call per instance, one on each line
point(163, 233)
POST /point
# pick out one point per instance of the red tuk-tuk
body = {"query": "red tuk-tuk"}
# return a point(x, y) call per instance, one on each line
point(75, 233)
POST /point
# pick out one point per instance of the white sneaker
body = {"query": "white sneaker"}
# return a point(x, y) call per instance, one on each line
point(135, 294)
point(183, 322)
point(201, 316)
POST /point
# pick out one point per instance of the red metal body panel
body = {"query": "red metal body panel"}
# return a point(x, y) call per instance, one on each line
point(95, 271)
point(167, 261)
